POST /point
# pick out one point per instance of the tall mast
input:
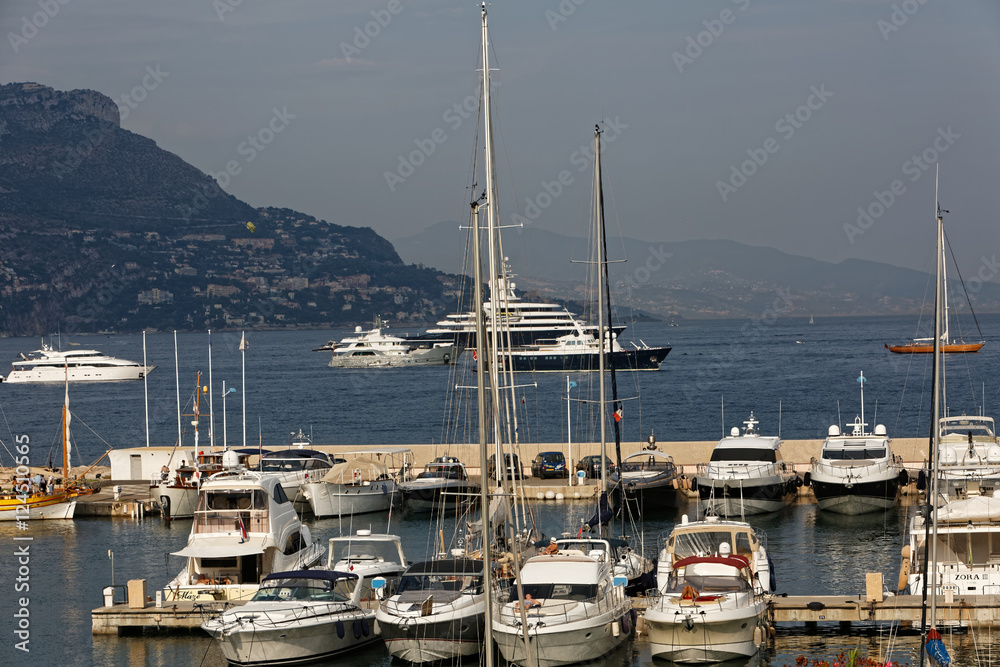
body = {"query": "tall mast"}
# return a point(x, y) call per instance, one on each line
point(600, 304)
point(65, 433)
point(936, 409)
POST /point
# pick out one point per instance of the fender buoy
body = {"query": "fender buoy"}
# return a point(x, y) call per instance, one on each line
point(921, 480)
point(904, 477)
point(364, 627)
point(357, 629)
point(808, 479)
point(340, 629)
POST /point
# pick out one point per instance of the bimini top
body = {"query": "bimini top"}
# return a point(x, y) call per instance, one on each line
point(325, 575)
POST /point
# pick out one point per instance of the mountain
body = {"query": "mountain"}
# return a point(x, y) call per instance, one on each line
point(700, 278)
point(100, 229)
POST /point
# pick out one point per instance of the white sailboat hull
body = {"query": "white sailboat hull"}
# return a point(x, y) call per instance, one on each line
point(36, 511)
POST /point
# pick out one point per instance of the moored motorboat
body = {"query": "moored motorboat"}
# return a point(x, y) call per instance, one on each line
point(297, 466)
point(746, 475)
point(857, 471)
point(298, 617)
point(364, 482)
point(713, 576)
point(178, 495)
point(443, 484)
point(576, 608)
point(244, 528)
point(369, 554)
point(651, 479)
point(968, 460)
point(438, 612)
point(49, 366)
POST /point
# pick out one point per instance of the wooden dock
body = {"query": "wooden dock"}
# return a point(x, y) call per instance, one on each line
point(976, 610)
point(123, 620)
point(134, 500)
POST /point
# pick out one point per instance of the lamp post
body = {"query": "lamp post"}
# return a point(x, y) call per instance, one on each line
point(569, 432)
point(225, 392)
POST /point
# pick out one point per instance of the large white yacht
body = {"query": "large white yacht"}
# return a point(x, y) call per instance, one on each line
point(746, 475)
point(575, 608)
point(54, 366)
point(712, 576)
point(968, 456)
point(375, 349)
point(525, 322)
point(244, 528)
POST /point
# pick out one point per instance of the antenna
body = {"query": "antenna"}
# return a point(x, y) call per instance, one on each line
point(779, 418)
point(723, 415)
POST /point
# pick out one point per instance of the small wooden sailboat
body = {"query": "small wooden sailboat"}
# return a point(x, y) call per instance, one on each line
point(26, 501)
point(948, 345)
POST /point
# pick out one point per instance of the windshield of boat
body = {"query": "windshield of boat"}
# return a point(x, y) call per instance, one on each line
point(646, 463)
point(707, 585)
point(359, 549)
point(706, 543)
point(441, 582)
point(442, 472)
point(574, 592)
point(858, 454)
point(306, 590)
point(233, 499)
point(744, 454)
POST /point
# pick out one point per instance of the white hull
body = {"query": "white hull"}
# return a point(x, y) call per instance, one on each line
point(562, 643)
point(63, 510)
point(292, 645)
point(327, 499)
point(712, 636)
point(737, 507)
point(57, 375)
point(436, 356)
point(180, 501)
point(439, 636)
point(855, 504)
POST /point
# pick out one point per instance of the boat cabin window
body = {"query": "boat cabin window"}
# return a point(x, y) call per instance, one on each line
point(744, 454)
point(234, 499)
point(706, 543)
point(573, 592)
point(859, 454)
point(279, 495)
point(707, 585)
point(441, 582)
point(442, 472)
point(218, 563)
point(293, 544)
point(306, 590)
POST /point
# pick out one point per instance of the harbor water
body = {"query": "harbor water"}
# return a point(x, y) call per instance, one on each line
point(789, 373)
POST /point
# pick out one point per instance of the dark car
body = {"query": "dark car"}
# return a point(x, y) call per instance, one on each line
point(512, 467)
point(549, 464)
point(592, 466)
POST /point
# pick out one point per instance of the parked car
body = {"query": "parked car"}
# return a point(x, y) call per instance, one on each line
point(512, 467)
point(592, 466)
point(549, 464)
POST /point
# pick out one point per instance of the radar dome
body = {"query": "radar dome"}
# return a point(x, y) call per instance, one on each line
point(949, 456)
point(833, 430)
point(879, 429)
point(735, 431)
point(993, 454)
point(230, 459)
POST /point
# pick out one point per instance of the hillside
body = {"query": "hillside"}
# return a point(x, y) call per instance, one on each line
point(700, 278)
point(100, 229)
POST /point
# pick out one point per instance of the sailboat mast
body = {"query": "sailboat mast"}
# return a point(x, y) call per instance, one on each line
point(65, 434)
point(484, 499)
point(600, 305)
point(936, 412)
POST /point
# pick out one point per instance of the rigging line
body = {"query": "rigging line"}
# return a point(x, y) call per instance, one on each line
point(960, 280)
point(7, 424)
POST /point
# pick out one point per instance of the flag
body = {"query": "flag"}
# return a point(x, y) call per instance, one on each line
point(244, 345)
point(522, 399)
point(243, 531)
point(571, 384)
point(474, 356)
point(618, 414)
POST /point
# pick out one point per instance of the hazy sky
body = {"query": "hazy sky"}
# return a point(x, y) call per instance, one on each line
point(835, 100)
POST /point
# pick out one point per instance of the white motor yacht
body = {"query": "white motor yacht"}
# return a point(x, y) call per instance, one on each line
point(857, 471)
point(364, 482)
point(375, 349)
point(438, 612)
point(713, 576)
point(297, 617)
point(968, 456)
point(178, 495)
point(746, 475)
point(46, 365)
point(244, 528)
point(575, 607)
point(651, 479)
point(369, 554)
point(298, 466)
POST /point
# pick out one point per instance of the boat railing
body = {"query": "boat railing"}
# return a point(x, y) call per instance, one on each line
point(853, 469)
point(224, 521)
point(723, 470)
point(555, 610)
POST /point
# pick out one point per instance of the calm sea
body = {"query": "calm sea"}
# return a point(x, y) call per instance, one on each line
point(796, 377)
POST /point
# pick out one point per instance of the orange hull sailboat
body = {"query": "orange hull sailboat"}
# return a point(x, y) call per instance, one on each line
point(927, 348)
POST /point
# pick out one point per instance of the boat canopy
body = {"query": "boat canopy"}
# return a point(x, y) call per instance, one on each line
point(356, 470)
point(226, 549)
point(457, 566)
point(326, 575)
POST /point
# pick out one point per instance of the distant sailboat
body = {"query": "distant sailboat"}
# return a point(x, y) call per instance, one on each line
point(811, 320)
